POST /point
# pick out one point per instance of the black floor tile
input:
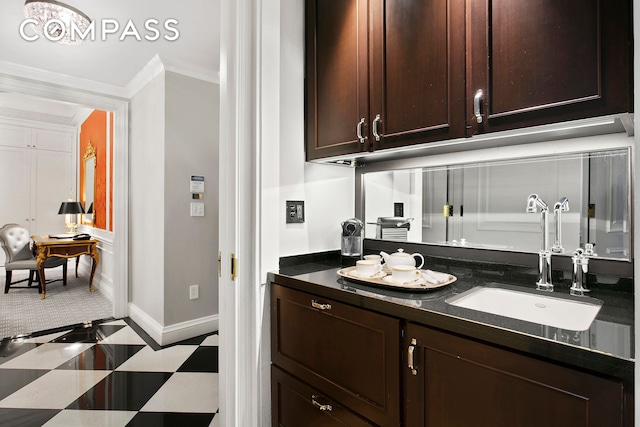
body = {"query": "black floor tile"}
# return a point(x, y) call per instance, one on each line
point(25, 417)
point(204, 359)
point(88, 334)
point(10, 348)
point(102, 357)
point(123, 391)
point(170, 419)
point(12, 380)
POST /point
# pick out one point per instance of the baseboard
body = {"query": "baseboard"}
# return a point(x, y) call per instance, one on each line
point(165, 335)
point(101, 282)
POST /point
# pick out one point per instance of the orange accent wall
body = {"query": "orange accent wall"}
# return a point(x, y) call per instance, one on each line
point(94, 130)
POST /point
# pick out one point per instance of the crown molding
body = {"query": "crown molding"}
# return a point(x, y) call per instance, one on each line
point(211, 77)
point(56, 79)
point(149, 72)
point(82, 115)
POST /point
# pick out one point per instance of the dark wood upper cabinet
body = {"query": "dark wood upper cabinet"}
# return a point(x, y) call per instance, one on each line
point(417, 71)
point(460, 382)
point(336, 70)
point(408, 72)
point(391, 71)
point(545, 61)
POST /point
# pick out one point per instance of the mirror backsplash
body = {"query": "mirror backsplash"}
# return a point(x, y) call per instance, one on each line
point(484, 205)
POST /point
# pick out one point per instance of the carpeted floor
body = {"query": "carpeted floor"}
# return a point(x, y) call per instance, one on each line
point(22, 311)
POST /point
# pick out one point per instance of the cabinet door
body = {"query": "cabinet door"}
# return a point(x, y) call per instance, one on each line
point(460, 382)
point(14, 188)
point(547, 61)
point(336, 77)
point(52, 181)
point(417, 71)
point(350, 354)
point(296, 404)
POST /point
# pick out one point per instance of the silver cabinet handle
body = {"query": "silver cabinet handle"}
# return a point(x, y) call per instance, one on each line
point(323, 408)
point(476, 105)
point(359, 130)
point(375, 127)
point(320, 306)
point(410, 354)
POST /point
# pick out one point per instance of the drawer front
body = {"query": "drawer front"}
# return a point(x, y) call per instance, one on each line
point(350, 353)
point(69, 251)
point(297, 404)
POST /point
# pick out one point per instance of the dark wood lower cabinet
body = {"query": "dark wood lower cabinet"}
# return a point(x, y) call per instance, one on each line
point(296, 404)
point(350, 355)
point(459, 383)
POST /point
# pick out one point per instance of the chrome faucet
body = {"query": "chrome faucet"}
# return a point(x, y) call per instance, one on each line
point(580, 261)
point(558, 208)
point(534, 202)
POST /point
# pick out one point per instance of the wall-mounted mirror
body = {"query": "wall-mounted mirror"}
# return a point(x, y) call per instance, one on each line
point(483, 205)
point(89, 182)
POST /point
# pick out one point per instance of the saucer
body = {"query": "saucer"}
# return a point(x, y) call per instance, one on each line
point(379, 275)
point(419, 281)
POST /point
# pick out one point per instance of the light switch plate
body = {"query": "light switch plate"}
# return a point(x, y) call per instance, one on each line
point(197, 209)
point(295, 212)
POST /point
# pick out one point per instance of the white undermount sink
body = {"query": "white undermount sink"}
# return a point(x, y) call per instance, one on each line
point(560, 311)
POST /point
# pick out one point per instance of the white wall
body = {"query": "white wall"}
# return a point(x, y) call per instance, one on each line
point(146, 198)
point(191, 243)
point(328, 191)
point(173, 135)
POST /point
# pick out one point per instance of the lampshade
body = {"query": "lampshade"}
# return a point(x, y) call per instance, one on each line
point(70, 208)
point(44, 11)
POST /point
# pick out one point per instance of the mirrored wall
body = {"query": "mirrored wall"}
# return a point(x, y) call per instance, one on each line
point(483, 205)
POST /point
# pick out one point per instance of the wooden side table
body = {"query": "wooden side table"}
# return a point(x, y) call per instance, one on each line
point(46, 247)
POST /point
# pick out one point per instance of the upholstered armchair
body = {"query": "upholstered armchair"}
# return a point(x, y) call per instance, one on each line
point(15, 241)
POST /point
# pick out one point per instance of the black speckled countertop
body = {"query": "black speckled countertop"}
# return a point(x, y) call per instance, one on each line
point(605, 348)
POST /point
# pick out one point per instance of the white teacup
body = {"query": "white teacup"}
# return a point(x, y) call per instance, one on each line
point(367, 268)
point(404, 273)
point(376, 258)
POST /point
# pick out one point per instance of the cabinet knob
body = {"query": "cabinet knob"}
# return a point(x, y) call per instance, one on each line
point(477, 102)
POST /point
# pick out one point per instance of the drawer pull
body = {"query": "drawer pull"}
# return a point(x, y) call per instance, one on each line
point(410, 354)
point(361, 137)
point(323, 408)
point(320, 306)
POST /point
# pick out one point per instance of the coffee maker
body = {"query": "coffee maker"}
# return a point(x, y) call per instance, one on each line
point(351, 241)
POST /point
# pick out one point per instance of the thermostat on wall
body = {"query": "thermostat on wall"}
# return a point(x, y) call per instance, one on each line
point(197, 184)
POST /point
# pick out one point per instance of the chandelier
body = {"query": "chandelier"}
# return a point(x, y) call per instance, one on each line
point(55, 20)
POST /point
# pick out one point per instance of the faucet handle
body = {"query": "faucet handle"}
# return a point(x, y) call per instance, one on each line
point(589, 249)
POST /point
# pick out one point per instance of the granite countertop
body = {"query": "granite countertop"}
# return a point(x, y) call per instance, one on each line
point(606, 347)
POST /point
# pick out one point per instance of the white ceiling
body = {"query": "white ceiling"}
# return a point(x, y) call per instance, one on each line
point(114, 62)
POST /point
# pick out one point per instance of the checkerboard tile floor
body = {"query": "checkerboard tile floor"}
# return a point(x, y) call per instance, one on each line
point(108, 374)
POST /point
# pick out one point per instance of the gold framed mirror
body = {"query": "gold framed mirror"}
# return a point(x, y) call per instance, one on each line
point(89, 180)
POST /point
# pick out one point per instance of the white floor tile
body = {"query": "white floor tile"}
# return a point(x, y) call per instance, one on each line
point(186, 392)
point(166, 360)
point(91, 418)
point(211, 340)
point(215, 422)
point(46, 356)
point(115, 322)
point(54, 390)
point(125, 335)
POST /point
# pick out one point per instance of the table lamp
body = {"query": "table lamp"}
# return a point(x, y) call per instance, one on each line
point(68, 209)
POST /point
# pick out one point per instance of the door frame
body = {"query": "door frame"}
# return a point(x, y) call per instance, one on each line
point(120, 107)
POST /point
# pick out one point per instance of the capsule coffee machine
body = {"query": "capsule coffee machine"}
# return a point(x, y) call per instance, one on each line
point(351, 242)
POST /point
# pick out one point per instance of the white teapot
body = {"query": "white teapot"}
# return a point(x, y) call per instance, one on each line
point(402, 258)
